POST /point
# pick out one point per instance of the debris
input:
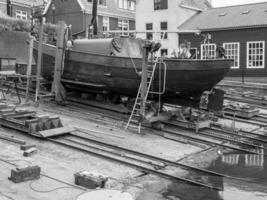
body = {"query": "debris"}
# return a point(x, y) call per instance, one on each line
point(25, 174)
point(26, 147)
point(30, 152)
point(90, 180)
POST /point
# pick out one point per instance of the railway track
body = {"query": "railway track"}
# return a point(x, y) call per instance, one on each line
point(136, 160)
point(219, 137)
point(260, 103)
point(212, 137)
point(83, 141)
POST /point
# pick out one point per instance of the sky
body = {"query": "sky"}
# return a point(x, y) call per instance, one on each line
point(219, 3)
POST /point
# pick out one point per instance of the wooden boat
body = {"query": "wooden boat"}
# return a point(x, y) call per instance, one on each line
point(100, 66)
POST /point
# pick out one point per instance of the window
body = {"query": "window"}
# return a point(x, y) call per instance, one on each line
point(126, 4)
point(160, 4)
point(255, 54)
point(149, 27)
point(164, 27)
point(232, 51)
point(105, 23)
point(21, 14)
point(208, 51)
point(164, 52)
point(123, 25)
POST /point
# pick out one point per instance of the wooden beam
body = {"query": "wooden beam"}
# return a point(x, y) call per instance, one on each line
point(39, 62)
point(59, 63)
point(29, 68)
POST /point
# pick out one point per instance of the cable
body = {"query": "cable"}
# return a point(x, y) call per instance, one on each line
point(48, 191)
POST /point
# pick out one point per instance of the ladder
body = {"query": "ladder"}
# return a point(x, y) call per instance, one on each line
point(135, 120)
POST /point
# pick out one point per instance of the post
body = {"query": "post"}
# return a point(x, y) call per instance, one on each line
point(59, 63)
point(39, 62)
point(29, 68)
point(144, 81)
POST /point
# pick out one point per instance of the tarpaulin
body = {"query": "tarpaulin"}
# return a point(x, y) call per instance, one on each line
point(121, 47)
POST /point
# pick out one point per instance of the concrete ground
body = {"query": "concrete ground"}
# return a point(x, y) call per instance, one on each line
point(61, 163)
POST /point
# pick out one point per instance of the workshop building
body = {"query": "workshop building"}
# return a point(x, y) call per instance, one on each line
point(112, 14)
point(241, 30)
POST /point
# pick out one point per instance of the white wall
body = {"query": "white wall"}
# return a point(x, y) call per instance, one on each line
point(174, 15)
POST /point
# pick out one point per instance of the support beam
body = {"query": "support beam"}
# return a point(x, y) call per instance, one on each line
point(29, 69)
point(39, 62)
point(57, 88)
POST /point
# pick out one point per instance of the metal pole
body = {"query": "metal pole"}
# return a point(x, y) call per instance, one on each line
point(29, 68)
point(144, 81)
point(39, 62)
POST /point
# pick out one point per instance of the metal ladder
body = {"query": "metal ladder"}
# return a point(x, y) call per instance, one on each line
point(136, 114)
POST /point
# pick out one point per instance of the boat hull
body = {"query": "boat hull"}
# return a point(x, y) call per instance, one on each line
point(186, 79)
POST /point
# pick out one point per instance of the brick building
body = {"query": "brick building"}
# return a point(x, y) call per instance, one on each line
point(20, 9)
point(112, 14)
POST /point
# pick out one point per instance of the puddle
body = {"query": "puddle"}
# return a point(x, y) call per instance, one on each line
point(252, 168)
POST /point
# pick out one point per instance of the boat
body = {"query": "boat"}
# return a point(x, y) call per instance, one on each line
point(113, 66)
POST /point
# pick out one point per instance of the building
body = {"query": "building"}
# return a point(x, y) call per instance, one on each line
point(112, 14)
point(20, 9)
point(166, 15)
point(241, 30)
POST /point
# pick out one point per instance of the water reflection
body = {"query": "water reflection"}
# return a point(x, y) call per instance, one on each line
point(251, 167)
point(249, 160)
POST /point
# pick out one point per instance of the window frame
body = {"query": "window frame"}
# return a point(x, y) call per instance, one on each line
point(164, 30)
point(147, 34)
point(107, 23)
point(19, 14)
point(238, 54)
point(263, 55)
point(158, 5)
point(126, 5)
point(122, 26)
point(202, 55)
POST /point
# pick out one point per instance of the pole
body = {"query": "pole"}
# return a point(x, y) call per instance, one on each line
point(59, 63)
point(39, 62)
point(144, 81)
point(29, 68)
point(94, 18)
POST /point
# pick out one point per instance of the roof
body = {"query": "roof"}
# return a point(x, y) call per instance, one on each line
point(196, 4)
point(232, 17)
point(28, 2)
point(111, 10)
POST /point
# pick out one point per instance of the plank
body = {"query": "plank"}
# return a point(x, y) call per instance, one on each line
point(57, 131)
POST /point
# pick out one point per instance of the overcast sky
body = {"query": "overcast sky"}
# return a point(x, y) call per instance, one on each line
point(219, 3)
